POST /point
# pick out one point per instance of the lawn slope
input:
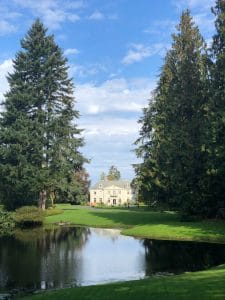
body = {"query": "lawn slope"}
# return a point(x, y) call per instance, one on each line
point(142, 223)
point(204, 285)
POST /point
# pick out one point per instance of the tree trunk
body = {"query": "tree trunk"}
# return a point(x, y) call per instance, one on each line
point(42, 199)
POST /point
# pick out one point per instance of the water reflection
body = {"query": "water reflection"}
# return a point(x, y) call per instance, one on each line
point(41, 259)
point(60, 257)
point(178, 257)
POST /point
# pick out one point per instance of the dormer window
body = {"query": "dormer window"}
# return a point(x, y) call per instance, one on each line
point(100, 185)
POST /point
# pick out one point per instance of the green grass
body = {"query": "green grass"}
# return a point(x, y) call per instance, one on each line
point(204, 285)
point(142, 223)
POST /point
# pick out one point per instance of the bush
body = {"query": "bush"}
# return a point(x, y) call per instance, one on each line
point(7, 223)
point(29, 216)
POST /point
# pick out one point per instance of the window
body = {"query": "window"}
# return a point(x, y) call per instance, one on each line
point(108, 200)
point(100, 199)
point(94, 193)
point(114, 193)
point(94, 200)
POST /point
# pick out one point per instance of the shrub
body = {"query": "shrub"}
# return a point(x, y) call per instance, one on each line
point(7, 223)
point(28, 216)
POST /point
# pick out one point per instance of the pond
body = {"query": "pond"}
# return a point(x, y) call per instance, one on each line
point(68, 256)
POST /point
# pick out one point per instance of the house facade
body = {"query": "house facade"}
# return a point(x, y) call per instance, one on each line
point(112, 193)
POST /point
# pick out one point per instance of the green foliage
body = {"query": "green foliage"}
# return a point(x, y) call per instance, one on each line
point(114, 173)
point(216, 167)
point(7, 223)
point(28, 216)
point(175, 136)
point(39, 138)
point(77, 191)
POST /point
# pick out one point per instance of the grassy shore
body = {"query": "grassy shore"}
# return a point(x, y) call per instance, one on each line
point(204, 285)
point(207, 285)
point(142, 223)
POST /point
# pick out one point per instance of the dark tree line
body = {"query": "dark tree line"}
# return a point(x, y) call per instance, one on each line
point(182, 137)
point(40, 156)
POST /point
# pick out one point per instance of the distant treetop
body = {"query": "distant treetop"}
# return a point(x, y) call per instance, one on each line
point(114, 174)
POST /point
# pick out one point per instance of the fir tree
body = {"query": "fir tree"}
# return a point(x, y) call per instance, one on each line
point(174, 132)
point(39, 140)
point(114, 173)
point(217, 166)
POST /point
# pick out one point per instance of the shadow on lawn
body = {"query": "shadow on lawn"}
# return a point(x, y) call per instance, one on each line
point(130, 217)
point(167, 219)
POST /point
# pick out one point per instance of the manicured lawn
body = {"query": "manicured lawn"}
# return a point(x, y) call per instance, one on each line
point(204, 285)
point(142, 223)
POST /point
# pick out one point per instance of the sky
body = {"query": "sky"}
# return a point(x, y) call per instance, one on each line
point(115, 49)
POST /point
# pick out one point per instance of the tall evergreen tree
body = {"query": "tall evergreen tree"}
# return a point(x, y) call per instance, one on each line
point(39, 139)
point(154, 143)
point(217, 167)
point(174, 132)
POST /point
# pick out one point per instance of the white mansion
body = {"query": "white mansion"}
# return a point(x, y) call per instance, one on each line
point(116, 192)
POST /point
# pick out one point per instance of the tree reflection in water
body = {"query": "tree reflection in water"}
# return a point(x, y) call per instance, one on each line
point(177, 257)
point(67, 256)
point(50, 255)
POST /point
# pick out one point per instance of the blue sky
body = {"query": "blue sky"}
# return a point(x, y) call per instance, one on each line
point(115, 49)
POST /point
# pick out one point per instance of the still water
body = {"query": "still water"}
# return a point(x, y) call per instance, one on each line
point(64, 257)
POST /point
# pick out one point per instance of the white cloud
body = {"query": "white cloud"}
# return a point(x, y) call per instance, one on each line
point(193, 4)
point(71, 51)
point(96, 16)
point(6, 27)
point(110, 142)
point(5, 67)
point(75, 4)
point(7, 16)
point(118, 95)
point(52, 12)
point(109, 114)
point(82, 71)
point(110, 126)
point(205, 22)
point(138, 52)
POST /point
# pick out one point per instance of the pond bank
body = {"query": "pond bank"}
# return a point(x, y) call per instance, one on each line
point(142, 223)
point(205, 285)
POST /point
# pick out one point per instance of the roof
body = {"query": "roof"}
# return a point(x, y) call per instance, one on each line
point(102, 184)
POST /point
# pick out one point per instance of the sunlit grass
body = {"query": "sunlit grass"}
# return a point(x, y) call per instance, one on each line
point(142, 223)
point(204, 285)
